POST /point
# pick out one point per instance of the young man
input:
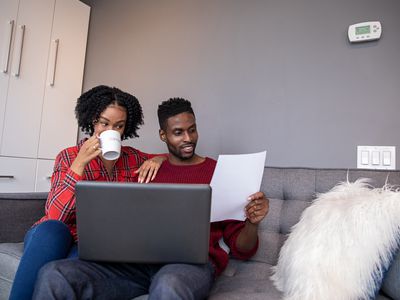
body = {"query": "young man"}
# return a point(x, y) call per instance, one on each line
point(76, 279)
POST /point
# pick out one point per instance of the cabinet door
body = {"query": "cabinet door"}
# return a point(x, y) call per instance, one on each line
point(27, 81)
point(8, 18)
point(64, 77)
point(17, 174)
point(44, 171)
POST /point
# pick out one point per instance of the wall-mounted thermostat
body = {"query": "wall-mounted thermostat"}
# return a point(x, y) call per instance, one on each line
point(366, 31)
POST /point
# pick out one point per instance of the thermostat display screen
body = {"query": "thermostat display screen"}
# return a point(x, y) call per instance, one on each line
point(363, 30)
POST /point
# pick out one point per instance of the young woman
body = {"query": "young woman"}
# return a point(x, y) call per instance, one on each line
point(54, 236)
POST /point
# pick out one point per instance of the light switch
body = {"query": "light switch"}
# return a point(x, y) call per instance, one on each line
point(364, 157)
point(375, 158)
point(386, 157)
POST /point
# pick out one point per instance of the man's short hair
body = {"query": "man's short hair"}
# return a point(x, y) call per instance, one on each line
point(172, 107)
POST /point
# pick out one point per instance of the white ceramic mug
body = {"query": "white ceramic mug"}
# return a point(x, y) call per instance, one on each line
point(110, 141)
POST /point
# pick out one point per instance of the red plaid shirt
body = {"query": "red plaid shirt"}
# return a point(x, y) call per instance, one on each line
point(60, 204)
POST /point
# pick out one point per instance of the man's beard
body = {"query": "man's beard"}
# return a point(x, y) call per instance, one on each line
point(175, 152)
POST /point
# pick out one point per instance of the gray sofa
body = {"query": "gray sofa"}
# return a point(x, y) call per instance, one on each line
point(290, 191)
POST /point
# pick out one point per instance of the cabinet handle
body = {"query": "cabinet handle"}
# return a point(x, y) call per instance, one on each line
point(18, 54)
point(6, 177)
point(7, 45)
point(53, 61)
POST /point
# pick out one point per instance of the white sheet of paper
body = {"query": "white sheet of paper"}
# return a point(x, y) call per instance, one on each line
point(235, 178)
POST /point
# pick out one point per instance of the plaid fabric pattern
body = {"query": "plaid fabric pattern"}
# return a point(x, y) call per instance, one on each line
point(60, 204)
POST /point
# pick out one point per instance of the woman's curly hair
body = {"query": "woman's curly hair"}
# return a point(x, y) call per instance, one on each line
point(92, 103)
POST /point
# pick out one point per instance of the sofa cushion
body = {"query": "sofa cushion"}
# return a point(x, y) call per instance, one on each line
point(10, 255)
point(291, 190)
point(342, 245)
point(17, 214)
point(245, 280)
point(273, 230)
point(391, 283)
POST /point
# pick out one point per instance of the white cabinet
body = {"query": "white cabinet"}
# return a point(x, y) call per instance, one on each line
point(7, 23)
point(43, 45)
point(64, 78)
point(8, 13)
point(27, 76)
point(17, 174)
point(44, 170)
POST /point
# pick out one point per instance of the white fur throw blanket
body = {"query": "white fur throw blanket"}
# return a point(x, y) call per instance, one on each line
point(342, 245)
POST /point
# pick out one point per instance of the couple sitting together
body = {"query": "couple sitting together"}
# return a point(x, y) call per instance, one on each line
point(50, 267)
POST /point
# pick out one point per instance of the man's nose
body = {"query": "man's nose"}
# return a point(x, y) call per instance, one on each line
point(187, 137)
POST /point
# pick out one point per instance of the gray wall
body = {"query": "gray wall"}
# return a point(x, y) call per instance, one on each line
point(277, 75)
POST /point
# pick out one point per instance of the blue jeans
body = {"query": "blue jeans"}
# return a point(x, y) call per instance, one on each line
point(47, 241)
point(79, 279)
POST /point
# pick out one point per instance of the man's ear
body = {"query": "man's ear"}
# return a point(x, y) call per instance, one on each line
point(162, 135)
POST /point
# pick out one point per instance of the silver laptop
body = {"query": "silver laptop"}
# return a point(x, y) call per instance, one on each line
point(143, 223)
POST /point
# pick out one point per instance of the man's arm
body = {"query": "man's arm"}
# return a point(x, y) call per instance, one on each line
point(256, 210)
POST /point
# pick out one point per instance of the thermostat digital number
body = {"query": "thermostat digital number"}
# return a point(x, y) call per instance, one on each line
point(363, 30)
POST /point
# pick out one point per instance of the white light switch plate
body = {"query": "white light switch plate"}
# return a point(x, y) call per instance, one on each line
point(376, 157)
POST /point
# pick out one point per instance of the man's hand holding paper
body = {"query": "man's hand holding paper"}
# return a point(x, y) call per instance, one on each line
point(257, 208)
point(235, 183)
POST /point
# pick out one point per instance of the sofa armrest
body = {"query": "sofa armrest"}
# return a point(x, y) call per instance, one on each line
point(18, 212)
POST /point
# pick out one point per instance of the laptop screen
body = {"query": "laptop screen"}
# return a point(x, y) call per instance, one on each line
point(143, 223)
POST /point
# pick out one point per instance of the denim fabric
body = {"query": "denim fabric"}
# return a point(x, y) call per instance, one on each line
point(48, 241)
point(78, 279)
point(182, 281)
